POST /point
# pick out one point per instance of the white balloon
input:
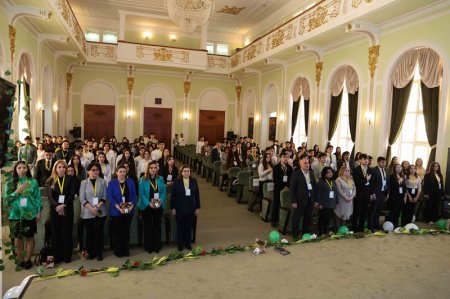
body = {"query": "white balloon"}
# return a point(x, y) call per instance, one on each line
point(411, 226)
point(397, 230)
point(414, 219)
point(388, 226)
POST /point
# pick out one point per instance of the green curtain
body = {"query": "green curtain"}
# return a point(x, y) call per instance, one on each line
point(430, 102)
point(306, 106)
point(295, 108)
point(335, 107)
point(400, 97)
point(352, 116)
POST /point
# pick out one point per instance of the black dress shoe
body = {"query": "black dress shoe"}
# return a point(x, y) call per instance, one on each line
point(180, 248)
point(28, 265)
point(188, 247)
point(99, 258)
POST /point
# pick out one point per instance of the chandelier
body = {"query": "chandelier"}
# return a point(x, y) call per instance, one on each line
point(188, 14)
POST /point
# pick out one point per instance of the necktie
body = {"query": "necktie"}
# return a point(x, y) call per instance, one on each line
point(48, 165)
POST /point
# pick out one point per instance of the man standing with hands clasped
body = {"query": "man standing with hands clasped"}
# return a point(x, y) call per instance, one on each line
point(281, 177)
point(379, 190)
point(303, 186)
point(362, 176)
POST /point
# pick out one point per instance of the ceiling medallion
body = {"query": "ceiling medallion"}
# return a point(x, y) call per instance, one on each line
point(231, 10)
point(188, 14)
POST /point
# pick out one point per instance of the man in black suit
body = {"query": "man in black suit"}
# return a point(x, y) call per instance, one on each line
point(379, 191)
point(302, 189)
point(346, 161)
point(44, 167)
point(215, 152)
point(64, 152)
point(281, 178)
point(362, 176)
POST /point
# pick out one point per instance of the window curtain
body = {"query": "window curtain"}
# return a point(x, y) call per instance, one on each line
point(335, 107)
point(400, 98)
point(352, 116)
point(306, 106)
point(430, 102)
point(295, 108)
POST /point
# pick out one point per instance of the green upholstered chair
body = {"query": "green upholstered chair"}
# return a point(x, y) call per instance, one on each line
point(285, 215)
point(253, 190)
point(216, 172)
point(242, 188)
point(232, 175)
point(266, 210)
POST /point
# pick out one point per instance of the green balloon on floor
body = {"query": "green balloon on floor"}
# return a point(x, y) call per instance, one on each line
point(274, 237)
point(343, 230)
point(441, 224)
point(306, 237)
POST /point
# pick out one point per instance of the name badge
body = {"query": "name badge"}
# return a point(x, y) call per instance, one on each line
point(188, 192)
point(270, 176)
point(400, 190)
point(23, 202)
point(350, 192)
point(235, 163)
point(413, 191)
point(169, 177)
point(61, 198)
point(255, 182)
point(309, 186)
point(95, 201)
point(123, 198)
point(285, 178)
point(440, 186)
point(331, 194)
point(383, 187)
point(156, 195)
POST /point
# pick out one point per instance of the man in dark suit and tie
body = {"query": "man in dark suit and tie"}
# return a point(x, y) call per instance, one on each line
point(215, 152)
point(281, 178)
point(379, 191)
point(362, 176)
point(64, 152)
point(302, 189)
point(44, 167)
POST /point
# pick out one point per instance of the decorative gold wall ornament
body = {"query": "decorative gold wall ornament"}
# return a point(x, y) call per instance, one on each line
point(374, 52)
point(217, 62)
point(349, 27)
point(102, 50)
point(235, 60)
point(356, 3)
point(319, 16)
point(12, 41)
point(238, 92)
point(253, 50)
point(187, 87)
point(280, 36)
point(162, 54)
point(130, 83)
point(231, 10)
point(69, 78)
point(319, 66)
point(71, 20)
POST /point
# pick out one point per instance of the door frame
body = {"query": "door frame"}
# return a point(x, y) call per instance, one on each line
point(220, 104)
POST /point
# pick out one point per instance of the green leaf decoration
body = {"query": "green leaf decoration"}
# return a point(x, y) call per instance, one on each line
point(9, 132)
point(8, 73)
point(26, 130)
point(26, 109)
point(26, 117)
point(10, 92)
point(27, 98)
point(11, 109)
point(19, 81)
point(7, 120)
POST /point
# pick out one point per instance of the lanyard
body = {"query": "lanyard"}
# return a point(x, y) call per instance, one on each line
point(186, 183)
point(155, 186)
point(364, 171)
point(350, 185)
point(103, 166)
point(61, 186)
point(122, 190)
point(48, 165)
point(330, 184)
point(95, 188)
point(64, 155)
point(76, 171)
point(284, 168)
point(383, 174)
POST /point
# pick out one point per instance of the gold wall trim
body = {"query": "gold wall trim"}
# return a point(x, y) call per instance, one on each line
point(163, 54)
point(231, 10)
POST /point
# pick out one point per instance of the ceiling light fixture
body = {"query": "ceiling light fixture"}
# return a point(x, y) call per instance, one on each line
point(188, 14)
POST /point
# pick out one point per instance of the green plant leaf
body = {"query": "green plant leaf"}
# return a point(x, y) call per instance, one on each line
point(8, 73)
point(7, 251)
point(19, 81)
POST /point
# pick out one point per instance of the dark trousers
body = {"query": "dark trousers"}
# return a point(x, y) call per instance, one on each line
point(152, 229)
point(121, 234)
point(61, 231)
point(275, 207)
point(408, 212)
point(373, 221)
point(397, 204)
point(300, 212)
point(431, 208)
point(360, 212)
point(325, 215)
point(94, 236)
point(184, 229)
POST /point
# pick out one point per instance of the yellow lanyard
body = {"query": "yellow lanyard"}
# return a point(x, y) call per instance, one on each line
point(284, 168)
point(383, 174)
point(48, 165)
point(95, 187)
point(413, 179)
point(76, 171)
point(61, 186)
point(186, 183)
point(122, 190)
point(330, 184)
point(64, 155)
point(364, 171)
point(254, 156)
point(350, 185)
point(155, 186)
point(103, 166)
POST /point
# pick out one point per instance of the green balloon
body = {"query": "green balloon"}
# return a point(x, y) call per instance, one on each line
point(274, 237)
point(306, 237)
point(441, 224)
point(343, 230)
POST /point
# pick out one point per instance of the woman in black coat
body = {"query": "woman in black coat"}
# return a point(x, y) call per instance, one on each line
point(185, 204)
point(397, 194)
point(433, 190)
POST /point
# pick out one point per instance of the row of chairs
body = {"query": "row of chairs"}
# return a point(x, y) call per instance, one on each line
point(240, 183)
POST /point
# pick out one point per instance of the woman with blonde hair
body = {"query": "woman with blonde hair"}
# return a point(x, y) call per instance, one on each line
point(346, 192)
point(61, 191)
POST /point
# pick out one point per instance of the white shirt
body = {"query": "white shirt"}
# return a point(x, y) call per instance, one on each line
point(111, 157)
point(198, 149)
point(156, 154)
point(181, 141)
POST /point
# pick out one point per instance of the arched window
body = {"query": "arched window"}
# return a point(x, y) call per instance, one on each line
point(342, 135)
point(299, 135)
point(300, 111)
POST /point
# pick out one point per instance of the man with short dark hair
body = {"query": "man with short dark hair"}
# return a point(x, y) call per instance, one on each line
point(44, 167)
point(320, 164)
point(27, 152)
point(64, 152)
point(302, 189)
point(215, 152)
point(362, 176)
point(281, 178)
point(379, 192)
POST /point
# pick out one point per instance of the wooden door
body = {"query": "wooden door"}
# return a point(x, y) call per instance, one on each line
point(159, 121)
point(211, 125)
point(99, 121)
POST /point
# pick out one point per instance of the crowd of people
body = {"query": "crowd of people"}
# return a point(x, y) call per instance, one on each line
point(138, 177)
point(131, 177)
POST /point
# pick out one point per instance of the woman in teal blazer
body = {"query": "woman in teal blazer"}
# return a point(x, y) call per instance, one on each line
point(152, 202)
